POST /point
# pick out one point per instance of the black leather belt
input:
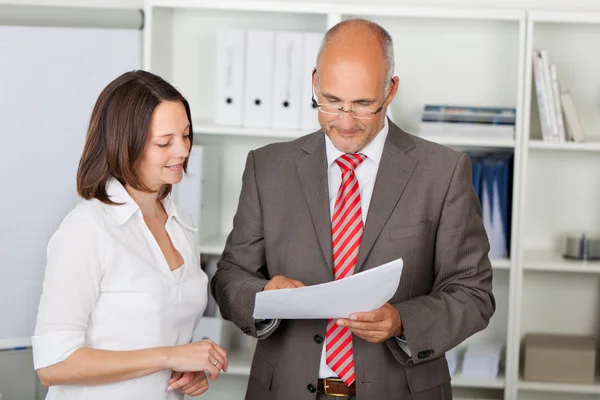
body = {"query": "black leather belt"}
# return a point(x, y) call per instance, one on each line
point(336, 387)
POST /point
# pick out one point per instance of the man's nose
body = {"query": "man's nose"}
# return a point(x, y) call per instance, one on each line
point(346, 120)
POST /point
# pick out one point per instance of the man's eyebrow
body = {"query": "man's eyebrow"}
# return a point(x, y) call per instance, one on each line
point(362, 100)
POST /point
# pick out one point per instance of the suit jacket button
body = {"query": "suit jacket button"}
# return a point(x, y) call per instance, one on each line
point(311, 388)
point(318, 339)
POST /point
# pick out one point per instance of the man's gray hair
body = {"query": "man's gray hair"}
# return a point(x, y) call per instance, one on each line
point(383, 36)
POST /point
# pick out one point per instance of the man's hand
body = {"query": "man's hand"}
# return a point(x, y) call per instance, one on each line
point(375, 326)
point(282, 282)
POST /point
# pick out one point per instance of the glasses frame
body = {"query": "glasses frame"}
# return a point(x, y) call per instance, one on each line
point(318, 105)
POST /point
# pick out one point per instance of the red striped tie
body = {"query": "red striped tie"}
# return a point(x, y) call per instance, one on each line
point(347, 229)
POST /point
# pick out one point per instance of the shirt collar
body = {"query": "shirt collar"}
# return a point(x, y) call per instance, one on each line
point(373, 150)
point(128, 207)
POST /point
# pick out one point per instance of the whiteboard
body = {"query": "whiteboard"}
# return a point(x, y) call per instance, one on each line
point(50, 79)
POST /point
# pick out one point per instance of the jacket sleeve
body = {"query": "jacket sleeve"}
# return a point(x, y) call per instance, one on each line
point(241, 271)
point(461, 302)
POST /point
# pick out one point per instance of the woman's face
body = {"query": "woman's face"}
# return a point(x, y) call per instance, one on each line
point(168, 146)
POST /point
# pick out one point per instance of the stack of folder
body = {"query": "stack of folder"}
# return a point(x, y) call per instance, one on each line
point(476, 361)
point(482, 361)
point(492, 179)
point(264, 79)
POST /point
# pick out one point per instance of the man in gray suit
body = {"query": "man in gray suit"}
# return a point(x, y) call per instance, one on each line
point(350, 197)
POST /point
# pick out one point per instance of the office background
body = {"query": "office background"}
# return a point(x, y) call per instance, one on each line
point(537, 175)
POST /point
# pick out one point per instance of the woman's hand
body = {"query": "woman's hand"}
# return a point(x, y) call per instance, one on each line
point(190, 383)
point(203, 355)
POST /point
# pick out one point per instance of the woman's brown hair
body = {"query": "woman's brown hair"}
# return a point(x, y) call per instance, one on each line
point(118, 132)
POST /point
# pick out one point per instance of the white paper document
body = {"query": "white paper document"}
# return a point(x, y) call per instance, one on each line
point(364, 291)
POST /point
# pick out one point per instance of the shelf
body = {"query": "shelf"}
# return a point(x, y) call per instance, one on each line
point(459, 381)
point(470, 141)
point(206, 128)
point(567, 146)
point(500, 263)
point(552, 260)
point(565, 17)
point(312, 7)
point(559, 387)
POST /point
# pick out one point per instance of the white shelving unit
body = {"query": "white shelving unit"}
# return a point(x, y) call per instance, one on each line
point(560, 192)
point(474, 46)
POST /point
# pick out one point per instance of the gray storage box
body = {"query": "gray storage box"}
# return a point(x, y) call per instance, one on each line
point(560, 358)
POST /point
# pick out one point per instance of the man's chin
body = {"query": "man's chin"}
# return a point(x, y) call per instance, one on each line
point(346, 147)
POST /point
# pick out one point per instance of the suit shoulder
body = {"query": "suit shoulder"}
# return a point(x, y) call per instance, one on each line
point(281, 151)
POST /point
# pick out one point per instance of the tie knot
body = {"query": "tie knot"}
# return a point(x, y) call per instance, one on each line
point(349, 162)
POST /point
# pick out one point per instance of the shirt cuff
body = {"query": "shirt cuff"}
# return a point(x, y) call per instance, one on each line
point(52, 348)
point(403, 345)
point(264, 327)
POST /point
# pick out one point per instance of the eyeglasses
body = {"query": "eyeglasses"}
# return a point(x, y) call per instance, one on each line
point(356, 112)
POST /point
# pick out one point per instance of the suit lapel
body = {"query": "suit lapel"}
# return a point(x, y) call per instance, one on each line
point(312, 172)
point(394, 172)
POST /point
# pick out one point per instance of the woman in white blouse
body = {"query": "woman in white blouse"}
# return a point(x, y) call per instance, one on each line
point(123, 289)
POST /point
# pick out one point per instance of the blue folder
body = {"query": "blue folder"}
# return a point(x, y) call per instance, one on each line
point(497, 172)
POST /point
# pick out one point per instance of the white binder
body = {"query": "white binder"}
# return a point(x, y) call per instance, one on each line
point(188, 192)
point(231, 48)
point(287, 89)
point(199, 191)
point(308, 114)
point(258, 96)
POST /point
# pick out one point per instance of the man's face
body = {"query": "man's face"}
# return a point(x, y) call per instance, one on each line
point(355, 85)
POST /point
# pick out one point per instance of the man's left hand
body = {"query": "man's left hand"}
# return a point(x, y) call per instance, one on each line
point(375, 326)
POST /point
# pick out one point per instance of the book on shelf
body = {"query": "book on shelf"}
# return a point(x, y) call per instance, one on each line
point(486, 115)
point(571, 118)
point(558, 118)
point(468, 121)
point(466, 130)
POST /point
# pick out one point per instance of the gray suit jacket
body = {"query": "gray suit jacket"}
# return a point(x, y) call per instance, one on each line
point(423, 209)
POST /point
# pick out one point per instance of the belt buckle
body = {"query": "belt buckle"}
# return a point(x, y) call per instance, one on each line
point(326, 387)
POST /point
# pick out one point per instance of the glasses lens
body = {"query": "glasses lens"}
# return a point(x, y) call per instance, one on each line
point(331, 110)
point(362, 113)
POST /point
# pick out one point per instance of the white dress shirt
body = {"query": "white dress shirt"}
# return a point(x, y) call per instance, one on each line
point(108, 286)
point(365, 174)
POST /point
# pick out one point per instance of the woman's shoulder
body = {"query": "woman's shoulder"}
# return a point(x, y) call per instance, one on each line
point(87, 215)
